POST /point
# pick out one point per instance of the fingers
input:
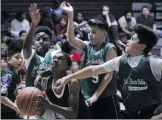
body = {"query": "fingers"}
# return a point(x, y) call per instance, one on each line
point(89, 102)
point(62, 4)
point(68, 4)
point(33, 8)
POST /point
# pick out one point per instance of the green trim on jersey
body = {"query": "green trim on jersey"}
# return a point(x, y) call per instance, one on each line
point(37, 63)
point(96, 57)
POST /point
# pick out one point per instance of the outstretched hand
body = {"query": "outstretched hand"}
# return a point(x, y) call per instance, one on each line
point(60, 84)
point(91, 100)
point(34, 14)
point(67, 7)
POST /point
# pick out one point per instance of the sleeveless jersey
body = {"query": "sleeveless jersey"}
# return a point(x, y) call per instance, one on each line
point(96, 57)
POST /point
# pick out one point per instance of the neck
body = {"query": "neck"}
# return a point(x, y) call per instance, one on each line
point(145, 16)
point(99, 44)
point(135, 55)
point(15, 70)
point(57, 74)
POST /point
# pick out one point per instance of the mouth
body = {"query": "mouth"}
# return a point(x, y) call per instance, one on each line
point(91, 39)
point(54, 64)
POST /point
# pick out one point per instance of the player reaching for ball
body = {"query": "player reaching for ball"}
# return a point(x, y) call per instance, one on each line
point(67, 102)
point(139, 75)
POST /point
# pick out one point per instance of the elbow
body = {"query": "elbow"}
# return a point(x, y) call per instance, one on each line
point(93, 70)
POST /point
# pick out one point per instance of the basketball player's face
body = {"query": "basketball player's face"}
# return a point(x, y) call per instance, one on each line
point(133, 47)
point(16, 61)
point(42, 43)
point(59, 62)
point(95, 35)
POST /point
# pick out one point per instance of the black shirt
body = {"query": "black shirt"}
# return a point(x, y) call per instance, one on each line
point(9, 82)
point(140, 89)
point(149, 21)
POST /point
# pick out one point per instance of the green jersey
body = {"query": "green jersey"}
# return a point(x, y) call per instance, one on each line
point(96, 57)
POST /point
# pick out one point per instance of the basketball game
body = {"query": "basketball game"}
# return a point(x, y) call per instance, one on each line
point(81, 59)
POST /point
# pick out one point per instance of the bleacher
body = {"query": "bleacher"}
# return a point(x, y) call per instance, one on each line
point(89, 8)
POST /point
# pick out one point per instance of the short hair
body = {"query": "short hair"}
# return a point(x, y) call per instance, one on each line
point(21, 32)
point(105, 6)
point(19, 14)
point(46, 30)
point(99, 22)
point(145, 7)
point(146, 36)
point(129, 11)
point(69, 61)
point(12, 51)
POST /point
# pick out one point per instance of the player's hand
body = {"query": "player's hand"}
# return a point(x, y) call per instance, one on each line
point(91, 100)
point(158, 110)
point(157, 117)
point(67, 8)
point(17, 110)
point(60, 84)
point(34, 14)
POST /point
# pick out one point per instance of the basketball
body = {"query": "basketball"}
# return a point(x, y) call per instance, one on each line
point(26, 101)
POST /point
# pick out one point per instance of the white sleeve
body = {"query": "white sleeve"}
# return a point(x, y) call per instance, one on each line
point(156, 66)
point(27, 61)
point(112, 65)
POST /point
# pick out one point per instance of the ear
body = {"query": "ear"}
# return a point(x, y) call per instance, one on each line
point(142, 46)
point(8, 59)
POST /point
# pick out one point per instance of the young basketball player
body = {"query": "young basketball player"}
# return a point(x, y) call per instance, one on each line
point(97, 51)
point(10, 79)
point(38, 47)
point(139, 74)
point(67, 102)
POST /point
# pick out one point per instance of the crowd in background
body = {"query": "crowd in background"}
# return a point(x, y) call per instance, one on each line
point(14, 32)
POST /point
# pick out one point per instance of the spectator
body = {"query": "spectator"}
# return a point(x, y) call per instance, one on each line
point(112, 24)
point(82, 25)
point(22, 35)
point(9, 82)
point(126, 23)
point(61, 29)
point(146, 19)
point(19, 23)
point(46, 20)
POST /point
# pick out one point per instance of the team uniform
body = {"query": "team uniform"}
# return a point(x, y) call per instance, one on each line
point(35, 63)
point(62, 100)
point(139, 83)
point(9, 83)
point(107, 105)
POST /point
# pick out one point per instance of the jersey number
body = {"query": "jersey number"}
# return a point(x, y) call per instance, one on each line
point(95, 79)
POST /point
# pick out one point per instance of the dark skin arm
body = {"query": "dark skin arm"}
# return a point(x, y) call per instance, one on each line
point(70, 112)
point(35, 17)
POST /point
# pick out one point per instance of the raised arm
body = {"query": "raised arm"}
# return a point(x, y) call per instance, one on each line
point(35, 17)
point(74, 41)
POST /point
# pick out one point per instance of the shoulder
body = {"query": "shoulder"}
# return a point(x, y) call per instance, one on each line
point(109, 47)
point(13, 21)
point(74, 85)
point(133, 19)
point(122, 18)
point(6, 79)
point(154, 64)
